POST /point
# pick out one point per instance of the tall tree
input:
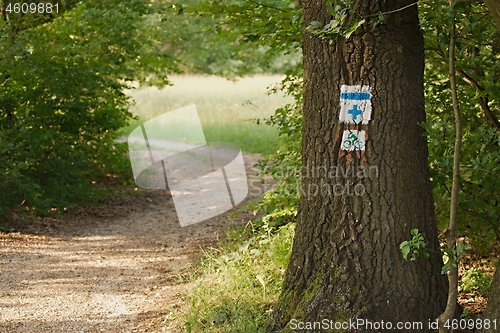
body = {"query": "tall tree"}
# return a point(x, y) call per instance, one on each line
point(491, 314)
point(358, 205)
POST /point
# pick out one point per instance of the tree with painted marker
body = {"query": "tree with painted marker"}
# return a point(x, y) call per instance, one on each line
point(345, 261)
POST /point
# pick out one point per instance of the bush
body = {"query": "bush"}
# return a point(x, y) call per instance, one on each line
point(240, 282)
point(62, 102)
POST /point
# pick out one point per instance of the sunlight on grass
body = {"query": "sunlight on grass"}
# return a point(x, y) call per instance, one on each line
point(228, 110)
point(239, 283)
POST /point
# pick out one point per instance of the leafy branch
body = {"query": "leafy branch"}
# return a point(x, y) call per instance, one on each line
point(414, 247)
point(267, 6)
point(337, 27)
point(483, 100)
point(452, 255)
point(341, 11)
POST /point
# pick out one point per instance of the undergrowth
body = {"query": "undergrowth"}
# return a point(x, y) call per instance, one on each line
point(239, 282)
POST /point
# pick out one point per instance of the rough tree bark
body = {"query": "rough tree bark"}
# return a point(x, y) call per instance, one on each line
point(346, 262)
point(494, 8)
point(492, 311)
point(493, 308)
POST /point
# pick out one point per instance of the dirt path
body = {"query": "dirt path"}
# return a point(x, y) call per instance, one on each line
point(111, 269)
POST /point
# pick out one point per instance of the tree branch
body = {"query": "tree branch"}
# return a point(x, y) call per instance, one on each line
point(452, 228)
point(483, 100)
point(267, 6)
point(5, 80)
point(399, 9)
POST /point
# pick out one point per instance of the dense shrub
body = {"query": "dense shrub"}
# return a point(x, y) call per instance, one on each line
point(61, 100)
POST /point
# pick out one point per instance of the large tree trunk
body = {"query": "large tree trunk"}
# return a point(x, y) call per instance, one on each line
point(346, 262)
point(491, 316)
point(494, 7)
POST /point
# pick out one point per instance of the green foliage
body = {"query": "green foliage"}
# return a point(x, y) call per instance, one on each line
point(465, 314)
point(62, 101)
point(344, 21)
point(456, 253)
point(475, 281)
point(245, 34)
point(478, 66)
point(414, 247)
point(279, 205)
point(240, 282)
point(273, 24)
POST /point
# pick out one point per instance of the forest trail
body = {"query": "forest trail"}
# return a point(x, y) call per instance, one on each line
point(116, 268)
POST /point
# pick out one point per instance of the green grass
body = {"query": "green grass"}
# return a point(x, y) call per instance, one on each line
point(228, 110)
point(239, 283)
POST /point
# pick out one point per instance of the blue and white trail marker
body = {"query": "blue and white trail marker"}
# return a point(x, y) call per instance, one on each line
point(355, 104)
